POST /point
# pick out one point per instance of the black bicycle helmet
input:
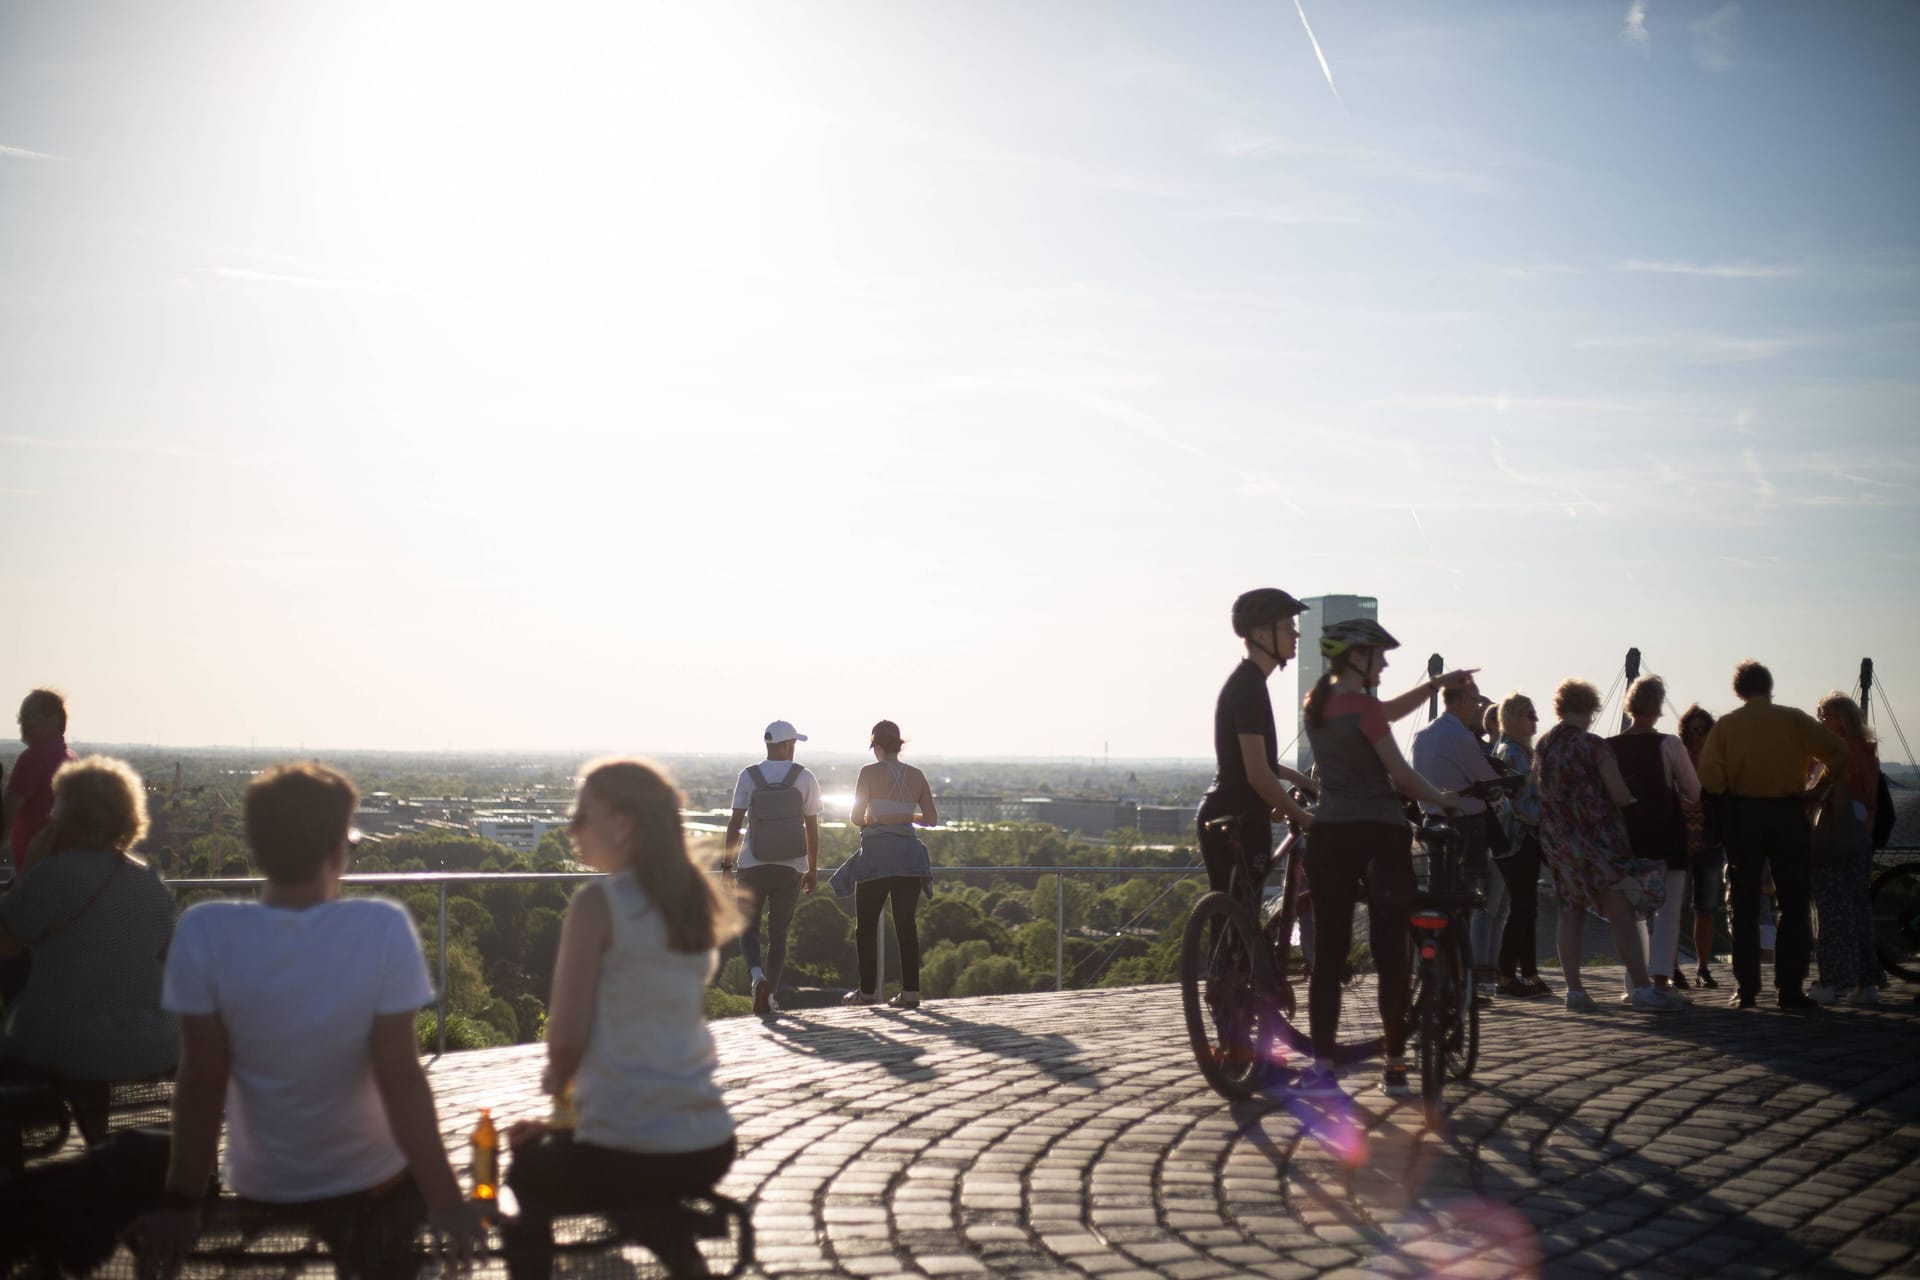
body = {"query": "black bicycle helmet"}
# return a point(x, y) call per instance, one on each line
point(1262, 606)
point(1355, 633)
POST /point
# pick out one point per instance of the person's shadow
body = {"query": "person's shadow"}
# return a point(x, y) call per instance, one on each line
point(1056, 1055)
point(837, 1042)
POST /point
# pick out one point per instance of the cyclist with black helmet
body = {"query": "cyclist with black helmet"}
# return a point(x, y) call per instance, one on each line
point(1360, 832)
point(1249, 782)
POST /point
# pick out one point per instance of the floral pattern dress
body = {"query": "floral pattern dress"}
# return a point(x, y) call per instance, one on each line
point(1581, 832)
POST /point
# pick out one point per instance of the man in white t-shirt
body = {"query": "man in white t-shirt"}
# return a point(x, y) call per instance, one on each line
point(297, 1020)
point(789, 824)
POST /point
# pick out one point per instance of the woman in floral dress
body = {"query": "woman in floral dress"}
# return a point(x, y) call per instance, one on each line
point(1585, 841)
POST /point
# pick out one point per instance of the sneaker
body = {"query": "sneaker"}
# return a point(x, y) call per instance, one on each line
point(1645, 998)
point(762, 998)
point(905, 1000)
point(1801, 1000)
point(773, 1006)
point(1864, 995)
point(1680, 982)
point(1394, 1082)
point(1512, 988)
point(1743, 1000)
point(1483, 993)
point(1704, 976)
point(1578, 1001)
point(856, 997)
point(1314, 1082)
point(1537, 986)
point(1672, 999)
point(1819, 993)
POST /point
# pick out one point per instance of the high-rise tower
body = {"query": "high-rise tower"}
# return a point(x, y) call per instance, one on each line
point(1323, 612)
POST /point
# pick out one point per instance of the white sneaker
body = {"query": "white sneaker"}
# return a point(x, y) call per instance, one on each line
point(856, 996)
point(1672, 999)
point(1645, 998)
point(1578, 1001)
point(904, 1000)
point(1821, 993)
point(1864, 995)
point(773, 1006)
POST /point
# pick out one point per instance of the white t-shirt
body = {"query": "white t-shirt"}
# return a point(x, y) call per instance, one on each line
point(298, 992)
point(775, 772)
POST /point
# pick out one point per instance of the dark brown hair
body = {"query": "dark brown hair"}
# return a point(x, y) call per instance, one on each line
point(698, 916)
point(1751, 680)
point(1694, 715)
point(296, 816)
point(886, 736)
point(46, 702)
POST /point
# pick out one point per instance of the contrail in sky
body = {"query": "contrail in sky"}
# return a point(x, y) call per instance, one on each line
point(1316, 53)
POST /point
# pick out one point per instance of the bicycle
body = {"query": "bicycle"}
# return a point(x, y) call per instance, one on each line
point(1241, 1009)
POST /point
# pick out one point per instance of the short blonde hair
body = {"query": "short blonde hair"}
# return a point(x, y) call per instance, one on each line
point(1575, 698)
point(99, 803)
point(1647, 697)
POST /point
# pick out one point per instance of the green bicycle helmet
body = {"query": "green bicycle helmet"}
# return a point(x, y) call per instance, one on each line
point(1362, 633)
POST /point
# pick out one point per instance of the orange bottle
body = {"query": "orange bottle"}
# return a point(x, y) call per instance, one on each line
point(486, 1159)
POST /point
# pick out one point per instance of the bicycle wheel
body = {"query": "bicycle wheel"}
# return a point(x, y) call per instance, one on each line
point(1224, 980)
point(1896, 919)
point(1431, 1019)
point(1463, 1031)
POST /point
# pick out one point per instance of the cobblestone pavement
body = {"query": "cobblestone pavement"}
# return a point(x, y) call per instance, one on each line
point(1070, 1135)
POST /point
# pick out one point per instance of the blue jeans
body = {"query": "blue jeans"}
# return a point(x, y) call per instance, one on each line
point(777, 886)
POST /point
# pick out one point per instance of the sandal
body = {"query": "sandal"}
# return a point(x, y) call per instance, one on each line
point(1537, 986)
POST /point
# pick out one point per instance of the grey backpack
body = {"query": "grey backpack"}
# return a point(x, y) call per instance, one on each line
point(775, 817)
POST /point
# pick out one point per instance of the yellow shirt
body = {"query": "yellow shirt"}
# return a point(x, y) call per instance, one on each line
point(1762, 751)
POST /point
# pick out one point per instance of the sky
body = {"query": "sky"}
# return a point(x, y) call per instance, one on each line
point(454, 376)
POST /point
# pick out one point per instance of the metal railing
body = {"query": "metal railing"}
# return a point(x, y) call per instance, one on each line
point(441, 880)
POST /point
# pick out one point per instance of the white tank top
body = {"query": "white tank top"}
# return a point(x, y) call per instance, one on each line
point(646, 1080)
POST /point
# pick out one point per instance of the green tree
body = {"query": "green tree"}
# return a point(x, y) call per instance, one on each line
point(993, 976)
point(822, 934)
point(949, 918)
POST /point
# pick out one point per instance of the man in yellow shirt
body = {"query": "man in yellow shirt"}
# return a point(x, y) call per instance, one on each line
point(1758, 757)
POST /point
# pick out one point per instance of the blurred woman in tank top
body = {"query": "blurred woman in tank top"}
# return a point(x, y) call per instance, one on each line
point(626, 1028)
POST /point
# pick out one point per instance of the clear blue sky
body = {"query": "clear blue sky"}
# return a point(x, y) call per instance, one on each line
point(423, 375)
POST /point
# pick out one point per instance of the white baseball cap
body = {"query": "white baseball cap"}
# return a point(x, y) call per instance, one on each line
point(782, 731)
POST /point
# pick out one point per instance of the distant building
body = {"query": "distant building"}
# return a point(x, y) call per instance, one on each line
point(1083, 817)
point(519, 831)
point(1323, 612)
point(1162, 821)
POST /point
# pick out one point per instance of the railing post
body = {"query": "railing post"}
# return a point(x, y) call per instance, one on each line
point(440, 1001)
point(1060, 932)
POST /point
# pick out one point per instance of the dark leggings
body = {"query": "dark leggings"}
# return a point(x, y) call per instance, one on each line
point(1519, 943)
point(868, 898)
point(556, 1176)
point(1338, 856)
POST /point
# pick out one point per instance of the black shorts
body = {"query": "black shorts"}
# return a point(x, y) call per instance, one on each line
point(1255, 828)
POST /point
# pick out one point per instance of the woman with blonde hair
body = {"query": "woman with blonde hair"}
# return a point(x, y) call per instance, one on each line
point(97, 922)
point(1660, 774)
point(1586, 845)
point(1840, 889)
point(626, 1028)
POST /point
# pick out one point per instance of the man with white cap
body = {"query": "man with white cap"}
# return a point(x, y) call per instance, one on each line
point(778, 803)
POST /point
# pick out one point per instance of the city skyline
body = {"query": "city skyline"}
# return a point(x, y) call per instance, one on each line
point(435, 376)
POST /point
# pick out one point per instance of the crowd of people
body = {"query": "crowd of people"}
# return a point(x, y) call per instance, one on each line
point(292, 1018)
point(1632, 828)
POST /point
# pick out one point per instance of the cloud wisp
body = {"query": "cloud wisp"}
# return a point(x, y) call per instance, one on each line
point(1311, 39)
point(1713, 38)
point(22, 153)
point(1708, 270)
point(1635, 32)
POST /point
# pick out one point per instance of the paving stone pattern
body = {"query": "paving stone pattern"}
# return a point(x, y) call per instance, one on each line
point(1070, 1135)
